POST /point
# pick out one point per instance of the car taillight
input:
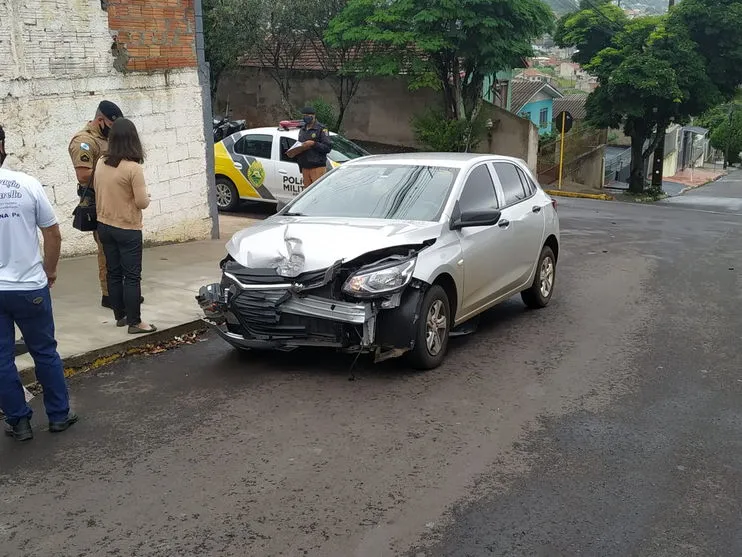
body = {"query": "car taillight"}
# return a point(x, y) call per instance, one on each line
point(554, 203)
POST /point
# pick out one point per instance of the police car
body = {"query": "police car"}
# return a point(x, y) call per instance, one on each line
point(252, 164)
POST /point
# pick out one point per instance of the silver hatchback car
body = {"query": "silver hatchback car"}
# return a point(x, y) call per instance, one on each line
point(389, 255)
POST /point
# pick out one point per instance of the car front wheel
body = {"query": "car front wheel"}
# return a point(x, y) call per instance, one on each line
point(539, 294)
point(227, 197)
point(431, 340)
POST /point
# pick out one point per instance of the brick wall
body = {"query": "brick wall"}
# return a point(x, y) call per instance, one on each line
point(58, 59)
point(153, 35)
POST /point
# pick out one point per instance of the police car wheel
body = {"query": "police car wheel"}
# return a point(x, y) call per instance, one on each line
point(227, 197)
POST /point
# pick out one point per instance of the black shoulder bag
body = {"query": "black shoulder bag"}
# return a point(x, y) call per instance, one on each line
point(85, 216)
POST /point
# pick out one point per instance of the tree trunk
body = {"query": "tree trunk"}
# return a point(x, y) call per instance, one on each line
point(458, 94)
point(341, 115)
point(637, 179)
point(658, 160)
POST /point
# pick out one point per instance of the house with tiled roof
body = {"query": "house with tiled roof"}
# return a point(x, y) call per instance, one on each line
point(534, 100)
point(574, 104)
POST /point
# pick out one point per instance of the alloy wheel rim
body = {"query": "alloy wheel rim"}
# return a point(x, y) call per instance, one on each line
point(223, 195)
point(546, 277)
point(435, 327)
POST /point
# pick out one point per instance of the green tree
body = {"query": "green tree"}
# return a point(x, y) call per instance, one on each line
point(724, 122)
point(651, 73)
point(230, 30)
point(590, 29)
point(714, 27)
point(279, 35)
point(450, 45)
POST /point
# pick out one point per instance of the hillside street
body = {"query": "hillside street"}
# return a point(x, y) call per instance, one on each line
point(607, 424)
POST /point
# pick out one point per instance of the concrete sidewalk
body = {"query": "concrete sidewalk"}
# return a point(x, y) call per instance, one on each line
point(171, 277)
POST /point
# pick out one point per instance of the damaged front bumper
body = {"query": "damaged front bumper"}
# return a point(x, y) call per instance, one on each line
point(261, 312)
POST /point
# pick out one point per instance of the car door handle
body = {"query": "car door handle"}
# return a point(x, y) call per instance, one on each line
point(238, 166)
point(504, 223)
point(283, 172)
point(536, 209)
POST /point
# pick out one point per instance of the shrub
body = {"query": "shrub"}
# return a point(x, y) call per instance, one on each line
point(436, 132)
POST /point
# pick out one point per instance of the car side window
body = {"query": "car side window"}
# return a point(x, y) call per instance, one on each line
point(512, 186)
point(528, 185)
point(255, 146)
point(285, 145)
point(479, 191)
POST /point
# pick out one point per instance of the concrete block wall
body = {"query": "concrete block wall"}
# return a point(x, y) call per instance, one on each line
point(59, 58)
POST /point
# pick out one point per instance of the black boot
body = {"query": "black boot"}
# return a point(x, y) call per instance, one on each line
point(59, 427)
point(21, 431)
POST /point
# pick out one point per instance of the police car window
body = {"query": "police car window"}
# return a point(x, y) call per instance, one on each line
point(479, 191)
point(512, 187)
point(344, 150)
point(255, 146)
point(285, 145)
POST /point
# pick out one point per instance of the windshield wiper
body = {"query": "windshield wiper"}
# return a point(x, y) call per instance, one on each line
point(292, 214)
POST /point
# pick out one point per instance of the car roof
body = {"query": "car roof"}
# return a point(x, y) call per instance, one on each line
point(452, 160)
point(291, 132)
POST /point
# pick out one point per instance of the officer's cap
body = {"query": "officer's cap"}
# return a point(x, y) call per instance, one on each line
point(308, 110)
point(110, 110)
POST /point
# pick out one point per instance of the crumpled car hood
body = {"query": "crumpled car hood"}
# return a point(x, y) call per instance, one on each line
point(295, 245)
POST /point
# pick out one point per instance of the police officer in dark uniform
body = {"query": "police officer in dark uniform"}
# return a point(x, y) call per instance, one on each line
point(315, 145)
point(85, 148)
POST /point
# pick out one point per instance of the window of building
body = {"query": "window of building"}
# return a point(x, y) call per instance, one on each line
point(543, 117)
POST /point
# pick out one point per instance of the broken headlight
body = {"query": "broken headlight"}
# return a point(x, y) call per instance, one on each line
point(383, 279)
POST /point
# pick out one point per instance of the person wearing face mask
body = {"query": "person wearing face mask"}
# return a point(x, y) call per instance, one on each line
point(86, 147)
point(315, 145)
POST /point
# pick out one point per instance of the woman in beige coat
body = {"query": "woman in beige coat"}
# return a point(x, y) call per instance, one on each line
point(120, 196)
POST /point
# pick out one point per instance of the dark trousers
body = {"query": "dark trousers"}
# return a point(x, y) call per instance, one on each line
point(32, 311)
point(123, 249)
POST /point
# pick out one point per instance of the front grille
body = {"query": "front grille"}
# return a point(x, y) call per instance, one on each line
point(270, 276)
point(258, 313)
point(259, 310)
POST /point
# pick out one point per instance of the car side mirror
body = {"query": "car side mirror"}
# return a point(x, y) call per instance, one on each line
point(280, 206)
point(483, 217)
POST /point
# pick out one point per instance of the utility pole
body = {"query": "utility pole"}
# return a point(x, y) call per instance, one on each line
point(658, 161)
point(729, 136)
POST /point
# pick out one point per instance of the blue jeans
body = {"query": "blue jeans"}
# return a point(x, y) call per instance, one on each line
point(32, 311)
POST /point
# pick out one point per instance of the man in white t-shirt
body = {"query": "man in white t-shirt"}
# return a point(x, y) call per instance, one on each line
point(25, 279)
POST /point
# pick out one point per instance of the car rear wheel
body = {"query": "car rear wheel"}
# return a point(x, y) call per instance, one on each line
point(539, 294)
point(433, 328)
point(227, 197)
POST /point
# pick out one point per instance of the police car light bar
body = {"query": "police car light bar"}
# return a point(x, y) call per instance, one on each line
point(289, 124)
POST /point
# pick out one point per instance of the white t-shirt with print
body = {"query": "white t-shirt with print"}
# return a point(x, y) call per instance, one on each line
point(24, 208)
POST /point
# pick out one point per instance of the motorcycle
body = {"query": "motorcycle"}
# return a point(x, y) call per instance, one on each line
point(225, 127)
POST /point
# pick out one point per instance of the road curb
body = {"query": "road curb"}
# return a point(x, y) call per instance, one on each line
point(108, 354)
point(688, 188)
point(600, 196)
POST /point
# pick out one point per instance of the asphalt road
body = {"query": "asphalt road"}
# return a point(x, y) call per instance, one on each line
point(608, 424)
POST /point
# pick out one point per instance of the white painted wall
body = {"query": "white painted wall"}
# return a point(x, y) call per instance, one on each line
point(55, 66)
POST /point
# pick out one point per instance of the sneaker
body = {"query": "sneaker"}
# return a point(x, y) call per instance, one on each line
point(21, 431)
point(59, 427)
